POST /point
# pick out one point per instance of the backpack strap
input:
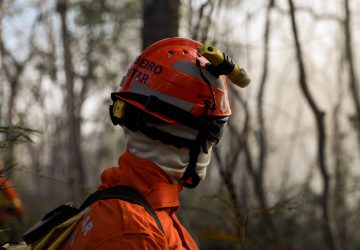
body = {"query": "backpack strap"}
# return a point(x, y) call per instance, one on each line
point(125, 193)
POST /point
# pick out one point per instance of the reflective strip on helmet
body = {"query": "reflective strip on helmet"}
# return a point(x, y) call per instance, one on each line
point(139, 88)
point(191, 69)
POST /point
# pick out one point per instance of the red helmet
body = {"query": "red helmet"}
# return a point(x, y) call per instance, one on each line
point(170, 82)
point(168, 70)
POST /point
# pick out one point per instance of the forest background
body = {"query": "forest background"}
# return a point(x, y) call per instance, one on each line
point(285, 176)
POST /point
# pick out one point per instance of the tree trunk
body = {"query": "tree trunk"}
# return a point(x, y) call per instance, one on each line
point(353, 82)
point(262, 140)
point(160, 20)
point(341, 171)
point(13, 70)
point(75, 162)
point(201, 28)
point(227, 169)
point(321, 137)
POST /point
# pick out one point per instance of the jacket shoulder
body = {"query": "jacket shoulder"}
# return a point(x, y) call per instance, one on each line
point(116, 222)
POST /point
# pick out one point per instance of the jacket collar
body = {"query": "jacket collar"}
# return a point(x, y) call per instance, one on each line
point(145, 176)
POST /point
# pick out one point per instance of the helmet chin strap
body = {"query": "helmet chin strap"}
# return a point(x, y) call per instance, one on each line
point(191, 178)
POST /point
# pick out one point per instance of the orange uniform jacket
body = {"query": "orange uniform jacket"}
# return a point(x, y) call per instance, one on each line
point(10, 203)
point(116, 224)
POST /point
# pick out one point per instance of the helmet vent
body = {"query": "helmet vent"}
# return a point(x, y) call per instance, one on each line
point(185, 51)
point(170, 53)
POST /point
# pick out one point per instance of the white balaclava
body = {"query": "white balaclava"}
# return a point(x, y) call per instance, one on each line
point(171, 159)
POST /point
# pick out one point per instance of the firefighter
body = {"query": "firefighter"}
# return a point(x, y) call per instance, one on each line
point(11, 210)
point(173, 108)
